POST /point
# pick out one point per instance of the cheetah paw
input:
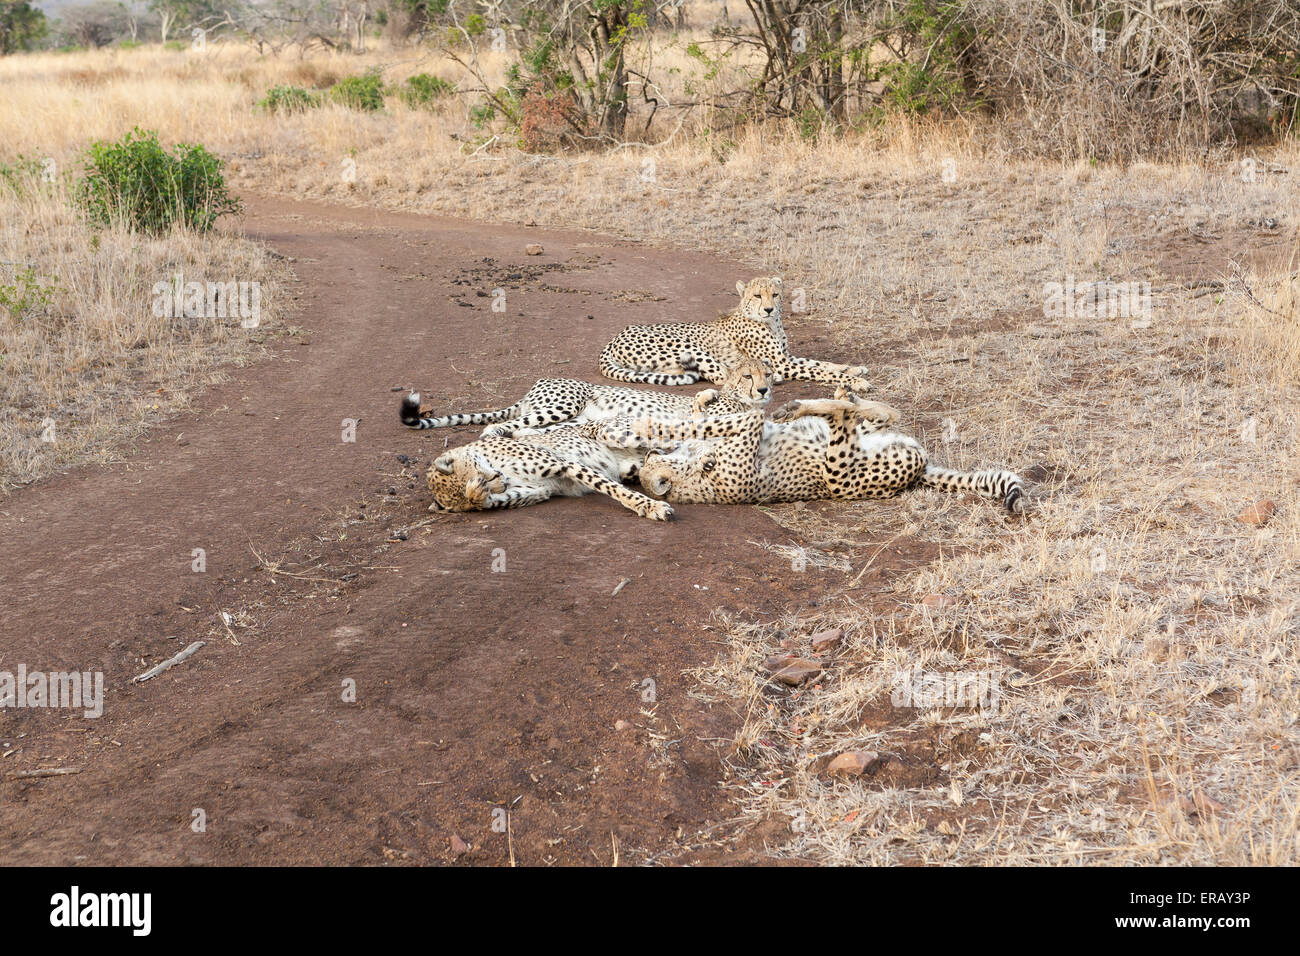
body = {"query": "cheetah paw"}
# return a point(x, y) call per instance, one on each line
point(703, 400)
point(878, 411)
point(787, 412)
point(655, 510)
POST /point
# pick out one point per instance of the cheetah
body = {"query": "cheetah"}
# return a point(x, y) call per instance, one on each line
point(512, 472)
point(828, 448)
point(685, 352)
point(552, 401)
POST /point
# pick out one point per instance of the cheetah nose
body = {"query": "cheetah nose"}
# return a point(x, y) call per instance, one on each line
point(763, 390)
point(767, 309)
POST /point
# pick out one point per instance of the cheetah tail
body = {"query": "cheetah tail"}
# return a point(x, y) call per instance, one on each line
point(611, 369)
point(411, 415)
point(1003, 486)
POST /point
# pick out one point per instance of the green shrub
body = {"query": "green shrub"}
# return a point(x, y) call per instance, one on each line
point(137, 182)
point(26, 294)
point(364, 92)
point(810, 122)
point(481, 114)
point(289, 99)
point(423, 89)
point(20, 173)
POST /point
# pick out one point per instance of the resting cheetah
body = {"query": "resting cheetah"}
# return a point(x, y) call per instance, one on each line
point(572, 460)
point(829, 448)
point(685, 352)
point(555, 400)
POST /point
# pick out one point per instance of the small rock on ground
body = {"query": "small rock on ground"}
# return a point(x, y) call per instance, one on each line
point(1258, 514)
point(852, 763)
point(825, 640)
point(795, 670)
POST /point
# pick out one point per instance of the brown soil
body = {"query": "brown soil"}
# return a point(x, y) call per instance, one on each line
point(476, 691)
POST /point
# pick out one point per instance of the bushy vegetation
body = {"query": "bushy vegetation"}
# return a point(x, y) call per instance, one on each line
point(27, 294)
point(137, 182)
point(423, 90)
point(364, 92)
point(289, 99)
point(1098, 78)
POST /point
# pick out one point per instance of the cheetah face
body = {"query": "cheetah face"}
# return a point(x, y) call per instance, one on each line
point(750, 383)
point(458, 484)
point(760, 299)
point(685, 472)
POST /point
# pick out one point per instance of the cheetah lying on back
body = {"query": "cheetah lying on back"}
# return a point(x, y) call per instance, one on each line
point(573, 460)
point(685, 352)
point(555, 400)
point(828, 448)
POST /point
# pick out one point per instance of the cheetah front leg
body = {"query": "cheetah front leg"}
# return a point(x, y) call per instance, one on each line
point(517, 496)
point(852, 377)
point(489, 489)
point(869, 416)
point(717, 426)
point(703, 400)
point(634, 501)
point(621, 434)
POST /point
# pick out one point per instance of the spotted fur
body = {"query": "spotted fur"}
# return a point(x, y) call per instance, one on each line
point(685, 352)
point(501, 472)
point(830, 448)
point(552, 401)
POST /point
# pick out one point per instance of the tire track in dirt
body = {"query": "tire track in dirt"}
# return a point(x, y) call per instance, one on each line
point(476, 690)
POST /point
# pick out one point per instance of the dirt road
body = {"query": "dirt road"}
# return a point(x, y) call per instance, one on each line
point(482, 697)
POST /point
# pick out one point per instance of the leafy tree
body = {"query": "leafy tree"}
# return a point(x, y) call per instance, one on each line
point(21, 25)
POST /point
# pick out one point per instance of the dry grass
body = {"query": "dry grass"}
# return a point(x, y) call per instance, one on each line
point(92, 367)
point(1147, 641)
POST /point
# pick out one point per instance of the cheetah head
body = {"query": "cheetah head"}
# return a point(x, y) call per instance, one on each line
point(684, 473)
point(760, 299)
point(462, 483)
point(748, 382)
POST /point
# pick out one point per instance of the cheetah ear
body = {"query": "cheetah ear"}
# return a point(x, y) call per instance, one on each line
point(740, 287)
point(776, 281)
point(445, 464)
point(482, 465)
